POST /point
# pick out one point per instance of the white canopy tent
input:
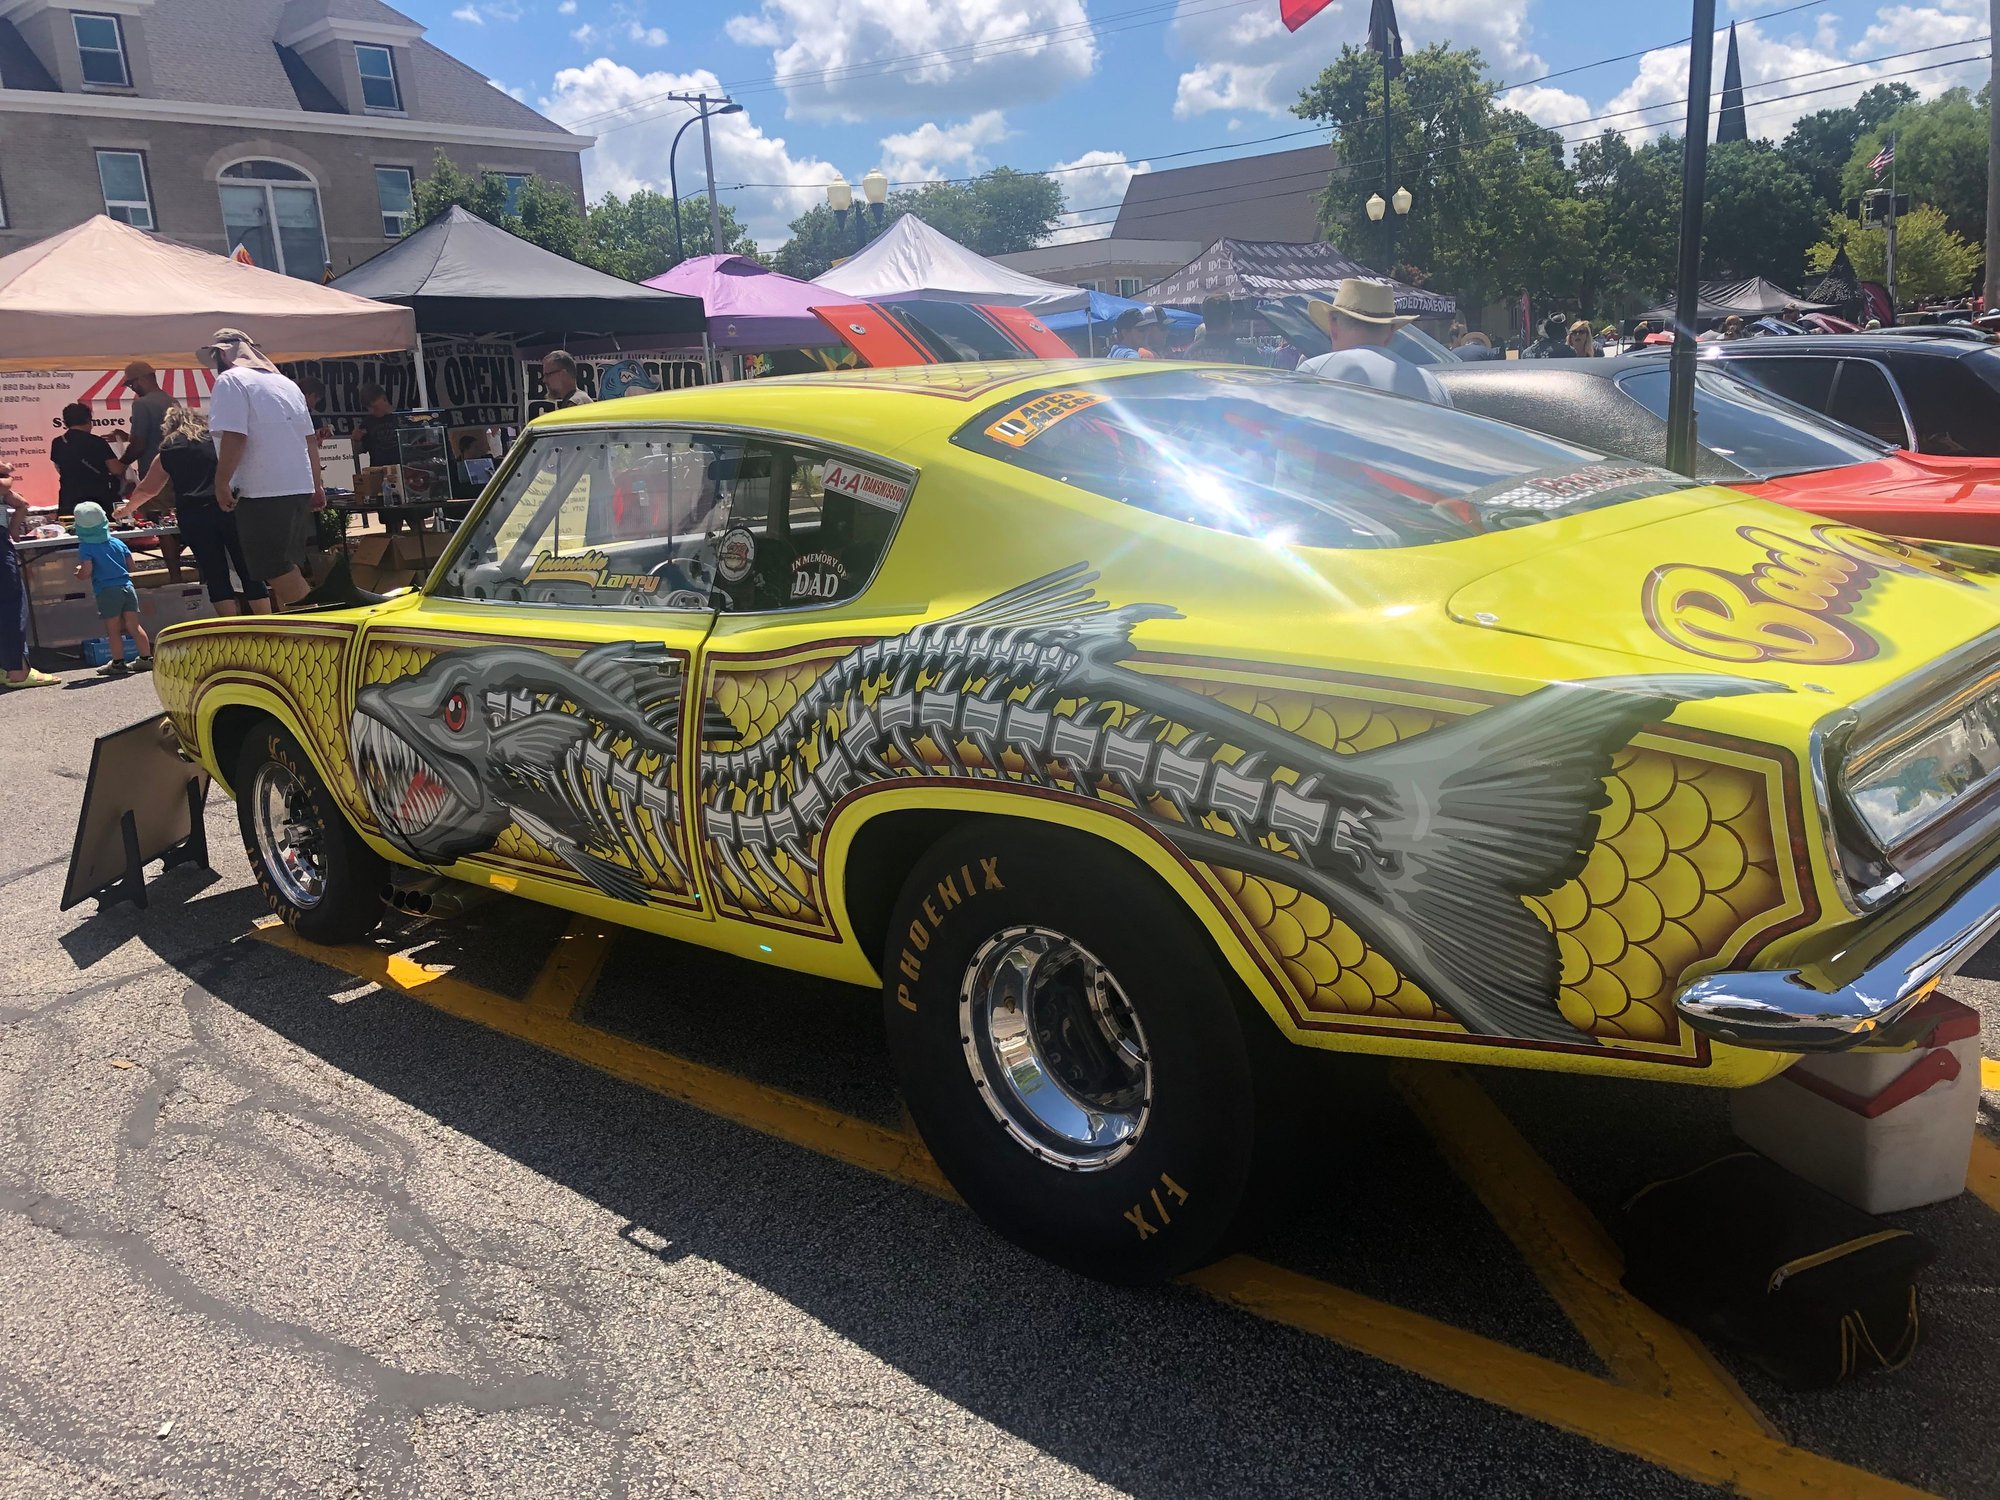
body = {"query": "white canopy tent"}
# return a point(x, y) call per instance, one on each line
point(104, 293)
point(911, 260)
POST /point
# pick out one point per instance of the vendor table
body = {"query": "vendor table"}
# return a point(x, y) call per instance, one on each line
point(63, 613)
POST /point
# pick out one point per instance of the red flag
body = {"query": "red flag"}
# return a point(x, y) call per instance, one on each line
point(243, 254)
point(1295, 13)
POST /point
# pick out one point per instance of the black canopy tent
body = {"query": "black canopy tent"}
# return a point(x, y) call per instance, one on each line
point(462, 275)
point(1753, 297)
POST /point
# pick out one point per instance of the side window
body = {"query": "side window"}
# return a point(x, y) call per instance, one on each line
point(652, 518)
point(1954, 409)
point(1864, 398)
point(1806, 381)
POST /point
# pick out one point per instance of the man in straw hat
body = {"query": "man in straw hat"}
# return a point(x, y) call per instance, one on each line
point(267, 460)
point(1361, 320)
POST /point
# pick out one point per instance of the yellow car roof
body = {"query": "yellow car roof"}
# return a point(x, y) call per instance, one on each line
point(883, 411)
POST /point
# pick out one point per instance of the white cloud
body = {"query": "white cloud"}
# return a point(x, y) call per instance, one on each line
point(469, 14)
point(647, 36)
point(583, 33)
point(629, 156)
point(1091, 181)
point(1243, 59)
point(933, 151)
point(567, 8)
point(1777, 62)
point(478, 14)
point(1547, 106)
point(845, 59)
point(509, 90)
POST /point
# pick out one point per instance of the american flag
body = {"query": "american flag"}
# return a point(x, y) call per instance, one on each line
point(1883, 159)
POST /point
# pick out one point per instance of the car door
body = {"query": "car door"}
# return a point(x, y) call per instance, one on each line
point(794, 664)
point(525, 721)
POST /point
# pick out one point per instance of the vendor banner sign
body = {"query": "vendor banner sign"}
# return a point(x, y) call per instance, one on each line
point(609, 376)
point(31, 407)
point(474, 382)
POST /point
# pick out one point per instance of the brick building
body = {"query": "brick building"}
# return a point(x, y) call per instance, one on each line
point(292, 127)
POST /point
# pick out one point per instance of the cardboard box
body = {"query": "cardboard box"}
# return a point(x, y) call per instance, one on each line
point(171, 603)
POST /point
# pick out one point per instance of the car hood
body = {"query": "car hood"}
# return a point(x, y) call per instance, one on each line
point(1791, 598)
point(1901, 478)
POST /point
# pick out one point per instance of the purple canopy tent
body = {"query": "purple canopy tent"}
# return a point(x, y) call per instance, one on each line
point(750, 309)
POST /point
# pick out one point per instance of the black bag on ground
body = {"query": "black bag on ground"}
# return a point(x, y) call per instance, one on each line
point(1809, 1287)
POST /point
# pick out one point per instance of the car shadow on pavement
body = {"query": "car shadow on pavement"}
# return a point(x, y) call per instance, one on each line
point(1156, 1391)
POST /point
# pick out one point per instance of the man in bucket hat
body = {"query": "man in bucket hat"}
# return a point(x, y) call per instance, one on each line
point(1361, 320)
point(267, 460)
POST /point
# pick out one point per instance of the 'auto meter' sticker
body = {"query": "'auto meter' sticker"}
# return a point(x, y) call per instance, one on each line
point(882, 491)
point(1031, 419)
point(818, 575)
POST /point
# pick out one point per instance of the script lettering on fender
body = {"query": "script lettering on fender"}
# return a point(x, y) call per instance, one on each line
point(1792, 606)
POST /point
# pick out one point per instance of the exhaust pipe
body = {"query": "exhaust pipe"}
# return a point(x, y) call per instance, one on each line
point(434, 898)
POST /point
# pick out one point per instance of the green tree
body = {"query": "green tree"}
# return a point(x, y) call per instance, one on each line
point(1932, 260)
point(1638, 195)
point(997, 212)
point(1940, 159)
point(634, 237)
point(1820, 144)
point(1761, 214)
point(537, 210)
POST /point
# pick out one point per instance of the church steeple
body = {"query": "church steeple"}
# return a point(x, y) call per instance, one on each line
point(1731, 125)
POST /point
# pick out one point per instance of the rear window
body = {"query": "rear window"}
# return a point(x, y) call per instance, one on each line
point(1760, 433)
point(1298, 460)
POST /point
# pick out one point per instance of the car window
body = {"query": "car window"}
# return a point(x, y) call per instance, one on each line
point(1806, 381)
point(1293, 459)
point(651, 518)
point(1762, 434)
point(1864, 399)
point(1956, 412)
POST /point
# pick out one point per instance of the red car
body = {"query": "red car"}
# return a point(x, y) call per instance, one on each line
point(1750, 440)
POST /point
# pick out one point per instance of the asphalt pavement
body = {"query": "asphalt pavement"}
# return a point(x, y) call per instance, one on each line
point(269, 1227)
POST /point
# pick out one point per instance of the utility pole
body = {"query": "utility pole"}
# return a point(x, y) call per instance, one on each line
point(1993, 167)
point(1896, 302)
point(705, 106)
point(1681, 445)
point(1389, 174)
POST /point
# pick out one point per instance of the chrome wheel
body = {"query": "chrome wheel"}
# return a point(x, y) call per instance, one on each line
point(1054, 1048)
point(288, 835)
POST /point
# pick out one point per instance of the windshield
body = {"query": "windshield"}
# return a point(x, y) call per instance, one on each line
point(1293, 459)
point(1762, 434)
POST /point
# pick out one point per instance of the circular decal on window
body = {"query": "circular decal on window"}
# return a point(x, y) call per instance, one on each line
point(818, 575)
point(734, 554)
point(685, 599)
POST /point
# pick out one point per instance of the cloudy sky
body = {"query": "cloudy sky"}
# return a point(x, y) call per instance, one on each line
point(928, 89)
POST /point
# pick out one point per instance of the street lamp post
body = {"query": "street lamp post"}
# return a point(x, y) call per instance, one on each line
point(704, 108)
point(840, 198)
point(1378, 213)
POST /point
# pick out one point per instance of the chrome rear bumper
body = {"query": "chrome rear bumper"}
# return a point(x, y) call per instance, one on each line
point(1847, 997)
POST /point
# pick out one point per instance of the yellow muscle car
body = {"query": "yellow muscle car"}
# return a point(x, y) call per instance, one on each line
point(1120, 720)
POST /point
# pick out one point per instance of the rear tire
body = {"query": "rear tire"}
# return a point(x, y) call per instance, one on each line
point(1069, 1050)
point(314, 870)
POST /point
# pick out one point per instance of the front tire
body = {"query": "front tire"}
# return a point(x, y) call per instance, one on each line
point(1068, 1047)
point(311, 864)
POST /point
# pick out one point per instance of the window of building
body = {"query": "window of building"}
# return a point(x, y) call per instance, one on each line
point(516, 181)
point(395, 192)
point(271, 209)
point(1130, 286)
point(127, 198)
point(100, 47)
point(379, 89)
point(655, 519)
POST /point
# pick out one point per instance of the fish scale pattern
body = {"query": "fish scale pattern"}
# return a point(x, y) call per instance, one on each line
point(1686, 869)
point(306, 668)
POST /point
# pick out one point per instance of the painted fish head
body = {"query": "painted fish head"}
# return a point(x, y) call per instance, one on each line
point(420, 744)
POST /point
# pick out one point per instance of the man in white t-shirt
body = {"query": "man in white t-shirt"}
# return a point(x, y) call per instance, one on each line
point(267, 460)
point(1361, 320)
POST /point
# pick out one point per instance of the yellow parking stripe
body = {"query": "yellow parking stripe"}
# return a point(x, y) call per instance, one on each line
point(1989, 1073)
point(1665, 1433)
point(770, 1111)
point(573, 967)
point(1567, 1248)
point(1983, 1175)
point(1671, 1434)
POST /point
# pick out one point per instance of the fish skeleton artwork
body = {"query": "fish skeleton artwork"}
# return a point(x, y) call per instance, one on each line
point(1426, 848)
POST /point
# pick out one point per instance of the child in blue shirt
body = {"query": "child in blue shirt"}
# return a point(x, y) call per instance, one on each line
point(105, 566)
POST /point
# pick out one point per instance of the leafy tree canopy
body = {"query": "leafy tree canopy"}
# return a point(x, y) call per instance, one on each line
point(634, 237)
point(1933, 261)
point(1940, 159)
point(1000, 211)
point(535, 208)
point(1821, 143)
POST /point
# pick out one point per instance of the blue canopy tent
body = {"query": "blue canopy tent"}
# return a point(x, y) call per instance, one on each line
point(1103, 308)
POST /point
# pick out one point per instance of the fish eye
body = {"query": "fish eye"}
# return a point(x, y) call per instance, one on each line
point(454, 712)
